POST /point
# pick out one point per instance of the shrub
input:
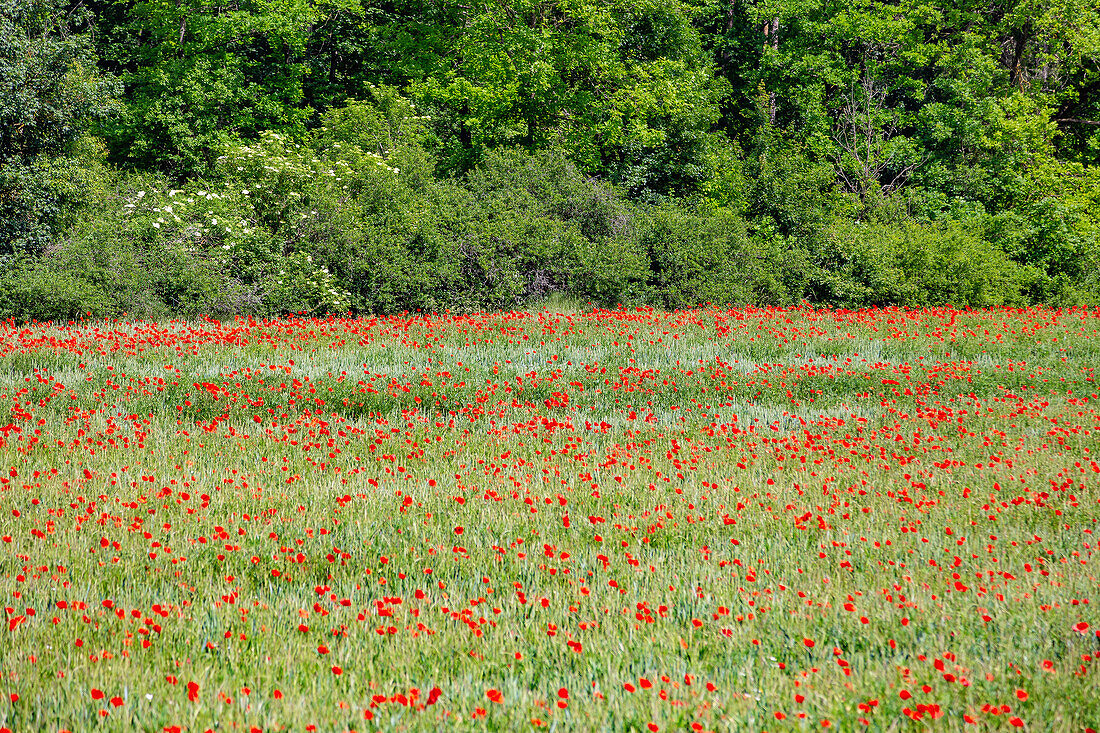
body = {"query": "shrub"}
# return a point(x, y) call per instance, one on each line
point(328, 219)
point(706, 257)
point(301, 287)
point(916, 265)
point(139, 249)
point(34, 292)
point(378, 127)
point(552, 229)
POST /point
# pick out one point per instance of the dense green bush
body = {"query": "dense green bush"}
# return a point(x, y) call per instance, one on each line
point(697, 257)
point(325, 226)
point(519, 228)
point(39, 292)
point(94, 278)
point(133, 246)
point(557, 229)
point(354, 218)
point(916, 265)
point(388, 247)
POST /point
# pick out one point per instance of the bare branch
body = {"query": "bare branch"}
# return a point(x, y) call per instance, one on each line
point(1075, 121)
point(863, 131)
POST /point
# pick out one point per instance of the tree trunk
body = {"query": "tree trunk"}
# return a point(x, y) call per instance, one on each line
point(771, 39)
point(726, 57)
point(464, 136)
point(1016, 69)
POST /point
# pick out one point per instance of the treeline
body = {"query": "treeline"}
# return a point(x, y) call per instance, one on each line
point(178, 157)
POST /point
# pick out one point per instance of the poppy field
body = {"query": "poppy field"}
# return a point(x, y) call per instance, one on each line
point(625, 520)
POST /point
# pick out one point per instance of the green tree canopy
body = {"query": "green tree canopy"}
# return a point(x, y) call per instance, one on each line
point(51, 90)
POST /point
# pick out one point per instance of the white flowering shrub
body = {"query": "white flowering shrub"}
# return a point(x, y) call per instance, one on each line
point(285, 182)
point(138, 249)
point(267, 222)
point(300, 286)
point(216, 224)
point(224, 226)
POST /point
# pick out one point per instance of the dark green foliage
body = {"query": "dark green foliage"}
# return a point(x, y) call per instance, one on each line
point(49, 86)
point(198, 75)
point(700, 258)
point(32, 206)
point(791, 192)
point(560, 230)
point(114, 279)
point(519, 229)
point(916, 265)
point(50, 91)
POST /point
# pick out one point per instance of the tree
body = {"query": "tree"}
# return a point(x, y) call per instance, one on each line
point(199, 74)
point(870, 158)
point(624, 86)
point(50, 92)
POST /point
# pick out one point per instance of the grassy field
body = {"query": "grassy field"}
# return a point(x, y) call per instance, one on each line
point(755, 519)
